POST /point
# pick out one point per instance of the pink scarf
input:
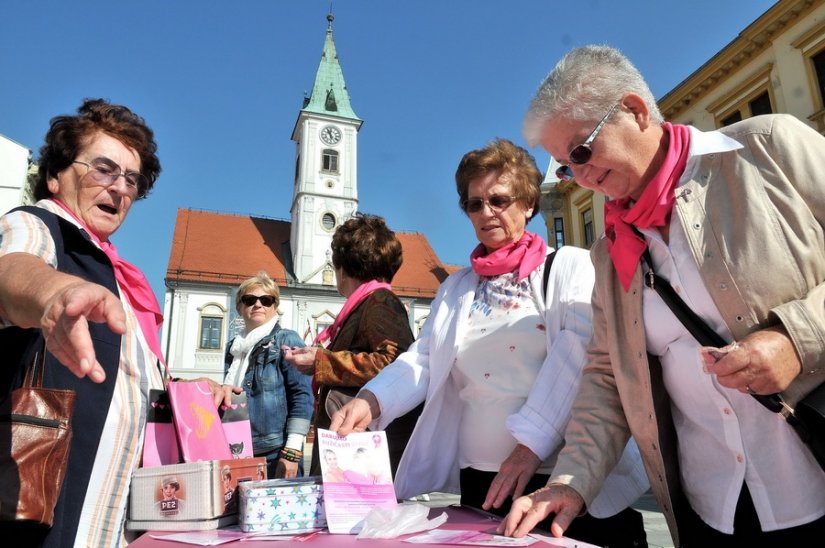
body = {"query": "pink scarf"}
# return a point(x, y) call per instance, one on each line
point(363, 291)
point(651, 210)
point(134, 285)
point(526, 255)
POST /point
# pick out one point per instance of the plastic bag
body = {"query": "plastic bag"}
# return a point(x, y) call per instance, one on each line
point(399, 520)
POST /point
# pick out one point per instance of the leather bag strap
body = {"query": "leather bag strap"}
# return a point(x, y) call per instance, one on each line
point(702, 332)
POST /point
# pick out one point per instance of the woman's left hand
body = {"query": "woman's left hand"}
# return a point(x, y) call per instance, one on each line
point(764, 362)
point(286, 469)
point(303, 359)
point(512, 477)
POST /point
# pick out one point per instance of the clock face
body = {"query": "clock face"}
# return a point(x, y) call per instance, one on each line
point(330, 135)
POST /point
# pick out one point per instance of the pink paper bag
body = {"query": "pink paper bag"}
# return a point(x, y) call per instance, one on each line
point(236, 426)
point(199, 428)
point(160, 440)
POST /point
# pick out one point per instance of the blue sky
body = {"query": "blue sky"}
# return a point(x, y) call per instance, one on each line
point(221, 83)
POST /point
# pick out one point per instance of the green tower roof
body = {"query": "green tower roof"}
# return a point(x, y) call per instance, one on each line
point(329, 94)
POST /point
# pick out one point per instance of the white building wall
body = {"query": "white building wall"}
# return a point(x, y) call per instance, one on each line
point(14, 164)
point(299, 308)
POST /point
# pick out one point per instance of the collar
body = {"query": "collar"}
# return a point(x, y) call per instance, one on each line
point(703, 143)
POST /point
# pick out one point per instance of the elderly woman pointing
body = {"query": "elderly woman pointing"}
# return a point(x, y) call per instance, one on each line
point(62, 280)
point(498, 362)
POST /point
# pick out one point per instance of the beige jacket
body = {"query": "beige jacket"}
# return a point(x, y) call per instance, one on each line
point(755, 221)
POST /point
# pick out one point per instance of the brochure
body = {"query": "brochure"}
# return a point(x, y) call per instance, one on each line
point(357, 477)
point(468, 538)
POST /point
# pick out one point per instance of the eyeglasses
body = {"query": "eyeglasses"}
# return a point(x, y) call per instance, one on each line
point(105, 173)
point(497, 202)
point(582, 153)
point(266, 300)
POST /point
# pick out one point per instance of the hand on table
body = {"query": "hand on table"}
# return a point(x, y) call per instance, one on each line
point(513, 475)
point(529, 510)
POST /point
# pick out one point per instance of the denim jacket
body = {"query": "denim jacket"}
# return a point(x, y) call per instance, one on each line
point(279, 396)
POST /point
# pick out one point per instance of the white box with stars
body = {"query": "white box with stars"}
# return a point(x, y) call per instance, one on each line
point(282, 506)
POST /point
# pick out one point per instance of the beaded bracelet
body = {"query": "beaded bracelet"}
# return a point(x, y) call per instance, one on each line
point(292, 455)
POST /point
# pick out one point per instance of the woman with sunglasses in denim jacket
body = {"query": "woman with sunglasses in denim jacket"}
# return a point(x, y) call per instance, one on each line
point(734, 220)
point(279, 398)
point(498, 361)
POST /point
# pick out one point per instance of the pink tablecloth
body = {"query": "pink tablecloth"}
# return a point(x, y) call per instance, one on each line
point(458, 518)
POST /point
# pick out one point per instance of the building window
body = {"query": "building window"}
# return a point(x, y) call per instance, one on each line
point(760, 104)
point(753, 98)
point(812, 46)
point(328, 221)
point(211, 328)
point(587, 225)
point(297, 168)
point(558, 230)
point(818, 62)
point(329, 161)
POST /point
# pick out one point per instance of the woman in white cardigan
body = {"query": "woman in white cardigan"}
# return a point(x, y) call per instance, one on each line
point(498, 363)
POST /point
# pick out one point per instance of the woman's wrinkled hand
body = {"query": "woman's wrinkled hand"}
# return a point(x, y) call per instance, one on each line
point(512, 477)
point(529, 510)
point(65, 325)
point(764, 362)
point(303, 359)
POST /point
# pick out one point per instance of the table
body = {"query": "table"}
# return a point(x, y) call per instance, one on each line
point(457, 518)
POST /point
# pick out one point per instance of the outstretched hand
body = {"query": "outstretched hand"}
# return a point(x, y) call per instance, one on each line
point(303, 359)
point(65, 325)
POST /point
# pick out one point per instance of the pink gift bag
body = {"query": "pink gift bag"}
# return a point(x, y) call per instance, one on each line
point(236, 426)
point(196, 419)
point(160, 442)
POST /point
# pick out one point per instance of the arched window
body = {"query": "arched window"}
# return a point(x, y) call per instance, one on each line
point(211, 327)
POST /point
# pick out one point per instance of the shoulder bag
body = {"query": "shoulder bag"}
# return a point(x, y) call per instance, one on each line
point(807, 419)
point(35, 433)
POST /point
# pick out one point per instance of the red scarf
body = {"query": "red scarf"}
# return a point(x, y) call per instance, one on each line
point(363, 291)
point(651, 210)
point(135, 287)
point(526, 255)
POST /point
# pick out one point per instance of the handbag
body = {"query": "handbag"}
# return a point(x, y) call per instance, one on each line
point(807, 419)
point(35, 434)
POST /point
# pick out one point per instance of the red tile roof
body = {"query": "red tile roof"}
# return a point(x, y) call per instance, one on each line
point(223, 248)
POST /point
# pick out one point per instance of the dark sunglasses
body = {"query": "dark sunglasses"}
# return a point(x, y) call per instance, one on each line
point(266, 300)
point(497, 202)
point(582, 153)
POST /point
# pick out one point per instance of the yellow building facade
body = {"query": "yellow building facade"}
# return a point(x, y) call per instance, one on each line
point(776, 64)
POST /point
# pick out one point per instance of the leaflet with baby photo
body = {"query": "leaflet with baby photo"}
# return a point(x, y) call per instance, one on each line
point(357, 477)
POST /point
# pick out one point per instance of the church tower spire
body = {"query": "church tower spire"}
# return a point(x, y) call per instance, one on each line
point(326, 176)
point(329, 94)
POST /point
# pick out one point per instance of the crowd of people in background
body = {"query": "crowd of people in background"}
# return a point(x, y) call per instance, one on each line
point(552, 387)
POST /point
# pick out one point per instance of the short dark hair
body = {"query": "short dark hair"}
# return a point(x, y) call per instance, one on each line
point(365, 248)
point(507, 159)
point(68, 134)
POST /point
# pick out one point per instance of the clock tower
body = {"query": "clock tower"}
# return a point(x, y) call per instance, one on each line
point(325, 187)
